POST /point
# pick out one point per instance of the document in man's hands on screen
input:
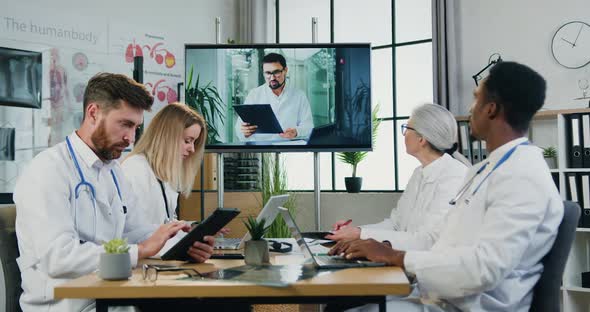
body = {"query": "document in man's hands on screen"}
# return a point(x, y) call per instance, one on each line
point(260, 115)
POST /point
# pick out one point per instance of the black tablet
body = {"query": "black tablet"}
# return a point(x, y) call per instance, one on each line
point(210, 226)
point(260, 115)
point(316, 235)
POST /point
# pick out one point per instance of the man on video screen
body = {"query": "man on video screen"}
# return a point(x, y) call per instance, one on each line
point(289, 104)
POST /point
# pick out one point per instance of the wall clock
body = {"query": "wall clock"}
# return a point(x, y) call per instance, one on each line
point(570, 45)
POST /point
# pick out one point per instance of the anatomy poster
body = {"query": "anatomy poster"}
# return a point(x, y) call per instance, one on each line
point(163, 67)
point(69, 72)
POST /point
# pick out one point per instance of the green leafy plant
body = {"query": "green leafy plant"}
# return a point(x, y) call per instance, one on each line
point(550, 152)
point(257, 229)
point(205, 99)
point(354, 158)
point(274, 182)
point(116, 246)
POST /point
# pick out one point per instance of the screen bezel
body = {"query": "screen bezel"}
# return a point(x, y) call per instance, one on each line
point(216, 148)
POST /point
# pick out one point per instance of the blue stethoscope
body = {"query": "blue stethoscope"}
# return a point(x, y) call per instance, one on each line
point(84, 183)
point(465, 187)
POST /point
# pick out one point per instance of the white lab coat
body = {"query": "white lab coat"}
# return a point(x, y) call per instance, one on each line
point(487, 257)
point(291, 108)
point(50, 234)
point(150, 199)
point(422, 207)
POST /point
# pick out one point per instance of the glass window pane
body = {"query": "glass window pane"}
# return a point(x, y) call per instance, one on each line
point(300, 170)
point(405, 163)
point(377, 169)
point(414, 81)
point(357, 23)
point(382, 81)
point(413, 20)
point(295, 20)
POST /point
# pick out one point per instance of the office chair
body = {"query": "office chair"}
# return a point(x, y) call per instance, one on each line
point(10, 281)
point(546, 291)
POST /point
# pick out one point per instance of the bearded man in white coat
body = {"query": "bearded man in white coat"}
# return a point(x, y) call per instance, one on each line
point(488, 255)
point(289, 104)
point(74, 196)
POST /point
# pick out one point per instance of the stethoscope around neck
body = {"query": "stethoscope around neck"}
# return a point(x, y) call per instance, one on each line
point(85, 184)
point(468, 184)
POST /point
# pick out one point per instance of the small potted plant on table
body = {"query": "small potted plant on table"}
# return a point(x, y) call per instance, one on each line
point(115, 263)
point(256, 249)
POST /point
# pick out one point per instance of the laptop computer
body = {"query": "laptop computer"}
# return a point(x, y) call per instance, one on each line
point(321, 262)
point(268, 212)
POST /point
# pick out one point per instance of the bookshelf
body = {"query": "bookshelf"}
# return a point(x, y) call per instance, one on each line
point(548, 128)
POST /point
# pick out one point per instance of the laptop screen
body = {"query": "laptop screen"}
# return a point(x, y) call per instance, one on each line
point(296, 233)
point(268, 212)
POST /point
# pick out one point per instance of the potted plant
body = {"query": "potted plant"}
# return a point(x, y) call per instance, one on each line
point(205, 99)
point(115, 263)
point(354, 183)
point(550, 154)
point(256, 249)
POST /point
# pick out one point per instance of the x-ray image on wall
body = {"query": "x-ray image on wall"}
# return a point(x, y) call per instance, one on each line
point(7, 144)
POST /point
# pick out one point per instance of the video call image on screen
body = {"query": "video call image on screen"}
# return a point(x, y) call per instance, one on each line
point(285, 97)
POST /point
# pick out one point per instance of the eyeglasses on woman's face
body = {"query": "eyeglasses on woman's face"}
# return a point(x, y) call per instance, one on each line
point(405, 129)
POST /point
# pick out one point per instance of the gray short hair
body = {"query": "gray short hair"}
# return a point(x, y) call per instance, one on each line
point(437, 125)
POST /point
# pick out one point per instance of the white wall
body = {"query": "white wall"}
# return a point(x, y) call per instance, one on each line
point(521, 31)
point(362, 208)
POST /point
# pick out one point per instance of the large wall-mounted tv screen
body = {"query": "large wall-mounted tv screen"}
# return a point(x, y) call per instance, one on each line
point(20, 78)
point(282, 97)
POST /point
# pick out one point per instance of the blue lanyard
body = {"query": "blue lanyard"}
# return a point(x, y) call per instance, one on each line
point(480, 170)
point(84, 182)
point(500, 162)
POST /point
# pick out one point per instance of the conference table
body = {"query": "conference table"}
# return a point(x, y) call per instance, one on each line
point(366, 285)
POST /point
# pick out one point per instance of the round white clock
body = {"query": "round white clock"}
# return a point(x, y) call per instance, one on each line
point(570, 45)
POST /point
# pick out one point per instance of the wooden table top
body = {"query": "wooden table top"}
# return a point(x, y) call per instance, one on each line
point(347, 282)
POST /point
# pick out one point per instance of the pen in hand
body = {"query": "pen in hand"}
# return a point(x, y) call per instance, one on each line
point(343, 224)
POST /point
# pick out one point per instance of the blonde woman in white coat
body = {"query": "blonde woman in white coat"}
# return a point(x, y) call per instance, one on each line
point(431, 136)
point(166, 160)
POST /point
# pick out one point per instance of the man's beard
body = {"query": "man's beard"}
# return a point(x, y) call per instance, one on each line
point(105, 149)
point(277, 85)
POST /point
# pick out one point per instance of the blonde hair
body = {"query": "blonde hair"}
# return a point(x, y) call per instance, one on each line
point(160, 144)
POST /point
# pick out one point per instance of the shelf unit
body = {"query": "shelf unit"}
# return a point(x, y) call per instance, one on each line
point(549, 129)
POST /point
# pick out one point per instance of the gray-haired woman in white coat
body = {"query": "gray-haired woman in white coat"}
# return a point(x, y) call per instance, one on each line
point(431, 136)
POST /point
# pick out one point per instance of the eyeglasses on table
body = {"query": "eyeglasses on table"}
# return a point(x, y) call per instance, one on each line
point(150, 271)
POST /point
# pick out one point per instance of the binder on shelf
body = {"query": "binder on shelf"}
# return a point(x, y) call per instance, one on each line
point(475, 151)
point(464, 139)
point(585, 199)
point(555, 176)
point(484, 150)
point(586, 140)
point(572, 191)
point(574, 141)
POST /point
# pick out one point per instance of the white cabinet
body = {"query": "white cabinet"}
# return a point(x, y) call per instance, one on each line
point(549, 129)
point(574, 297)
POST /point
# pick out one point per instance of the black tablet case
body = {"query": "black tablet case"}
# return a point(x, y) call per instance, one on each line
point(260, 115)
point(210, 226)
